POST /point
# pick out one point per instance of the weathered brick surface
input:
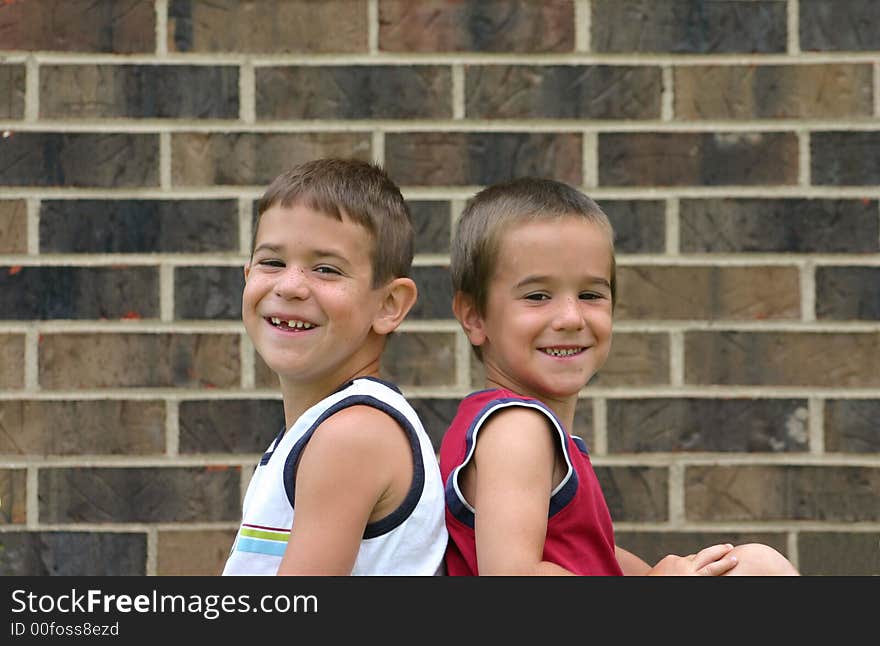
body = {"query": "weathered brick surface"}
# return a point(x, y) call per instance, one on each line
point(839, 553)
point(90, 427)
point(638, 225)
point(773, 493)
point(716, 425)
point(419, 358)
point(653, 546)
point(209, 159)
point(635, 493)
point(264, 377)
point(736, 158)
point(229, 425)
point(208, 292)
point(710, 293)
point(436, 414)
point(832, 360)
point(12, 80)
point(842, 158)
point(114, 360)
point(821, 91)
point(636, 360)
point(80, 553)
point(839, 25)
point(562, 92)
point(432, 225)
point(138, 91)
point(442, 158)
point(79, 159)
point(13, 226)
point(78, 293)
point(490, 26)
point(11, 360)
point(267, 27)
point(111, 26)
point(688, 26)
point(138, 226)
point(193, 553)
point(782, 225)
point(13, 494)
point(354, 92)
point(851, 425)
point(848, 293)
point(435, 293)
point(142, 494)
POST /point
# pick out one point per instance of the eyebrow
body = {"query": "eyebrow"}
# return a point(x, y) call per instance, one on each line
point(317, 253)
point(528, 280)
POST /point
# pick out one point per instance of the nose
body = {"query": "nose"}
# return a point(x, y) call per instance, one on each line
point(568, 315)
point(292, 284)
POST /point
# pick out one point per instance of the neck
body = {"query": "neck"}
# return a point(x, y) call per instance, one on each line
point(564, 408)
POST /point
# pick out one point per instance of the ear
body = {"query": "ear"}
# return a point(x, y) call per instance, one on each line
point(469, 318)
point(398, 297)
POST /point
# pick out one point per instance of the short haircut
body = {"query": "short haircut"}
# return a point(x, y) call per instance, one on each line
point(362, 192)
point(491, 211)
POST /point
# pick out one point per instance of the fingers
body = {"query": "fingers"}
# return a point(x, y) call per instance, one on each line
point(713, 555)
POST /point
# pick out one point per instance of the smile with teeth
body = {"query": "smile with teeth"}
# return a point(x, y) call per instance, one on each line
point(292, 325)
point(561, 352)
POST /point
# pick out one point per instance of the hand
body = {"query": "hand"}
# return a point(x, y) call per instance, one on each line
point(710, 561)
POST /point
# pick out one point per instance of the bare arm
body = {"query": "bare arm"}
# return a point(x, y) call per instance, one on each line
point(631, 564)
point(345, 473)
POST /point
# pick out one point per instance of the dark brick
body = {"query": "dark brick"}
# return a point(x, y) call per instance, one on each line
point(354, 92)
point(844, 293)
point(138, 226)
point(139, 495)
point(436, 415)
point(851, 425)
point(487, 26)
point(839, 553)
point(138, 91)
point(229, 425)
point(419, 359)
point(264, 376)
point(13, 494)
point(822, 91)
point(639, 225)
point(583, 422)
point(841, 25)
point(274, 27)
point(712, 293)
point(106, 160)
point(783, 225)
point(841, 158)
point(435, 294)
point(11, 360)
point(111, 360)
point(208, 292)
point(90, 427)
point(432, 225)
point(444, 158)
point(635, 493)
point(12, 86)
point(562, 92)
point(13, 226)
point(688, 26)
point(111, 26)
point(718, 425)
point(776, 493)
point(209, 159)
point(635, 360)
point(682, 159)
point(87, 553)
point(45, 293)
point(193, 553)
point(652, 546)
point(833, 360)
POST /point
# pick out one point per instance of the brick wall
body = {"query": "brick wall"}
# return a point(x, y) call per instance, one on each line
point(735, 146)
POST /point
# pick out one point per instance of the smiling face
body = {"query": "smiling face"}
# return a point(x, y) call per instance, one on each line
point(546, 328)
point(308, 303)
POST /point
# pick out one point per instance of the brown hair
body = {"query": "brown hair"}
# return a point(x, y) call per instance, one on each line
point(361, 191)
point(487, 214)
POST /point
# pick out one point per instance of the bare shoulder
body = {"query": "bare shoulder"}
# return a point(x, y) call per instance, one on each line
point(361, 435)
point(515, 430)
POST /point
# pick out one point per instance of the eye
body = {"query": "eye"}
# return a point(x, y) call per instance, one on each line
point(328, 269)
point(537, 296)
point(591, 296)
point(271, 263)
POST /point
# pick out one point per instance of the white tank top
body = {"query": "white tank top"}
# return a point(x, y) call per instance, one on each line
point(411, 540)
